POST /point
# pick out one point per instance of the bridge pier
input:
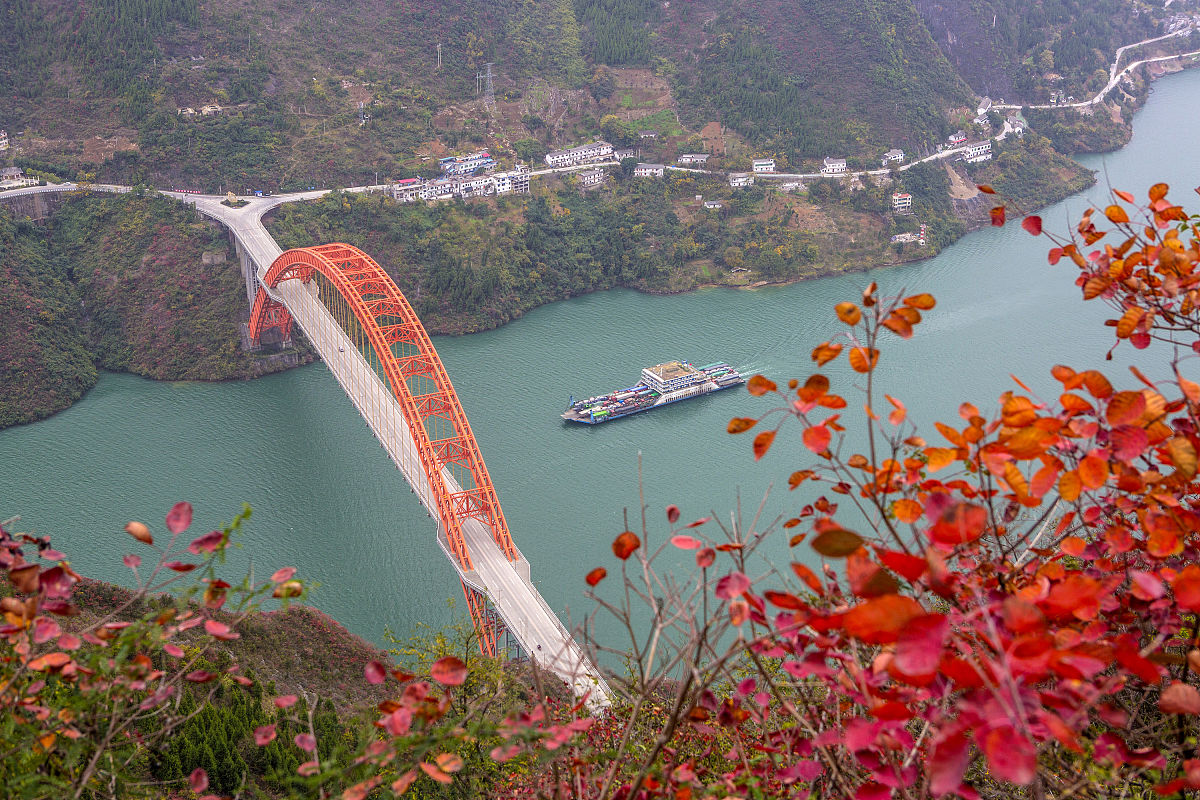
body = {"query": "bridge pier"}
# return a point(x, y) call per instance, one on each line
point(249, 269)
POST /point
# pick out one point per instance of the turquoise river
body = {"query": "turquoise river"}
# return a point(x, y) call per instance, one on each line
point(328, 501)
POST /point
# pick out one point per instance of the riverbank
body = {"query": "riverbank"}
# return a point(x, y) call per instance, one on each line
point(473, 266)
point(124, 283)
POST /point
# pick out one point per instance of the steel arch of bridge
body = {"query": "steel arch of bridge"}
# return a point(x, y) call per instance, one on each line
point(387, 319)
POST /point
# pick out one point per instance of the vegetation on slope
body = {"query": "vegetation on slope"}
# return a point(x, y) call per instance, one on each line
point(45, 365)
point(1022, 50)
point(816, 79)
point(133, 283)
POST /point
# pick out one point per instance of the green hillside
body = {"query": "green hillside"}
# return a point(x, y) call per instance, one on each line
point(337, 93)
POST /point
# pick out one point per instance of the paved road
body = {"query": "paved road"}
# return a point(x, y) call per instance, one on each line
point(1114, 76)
point(507, 585)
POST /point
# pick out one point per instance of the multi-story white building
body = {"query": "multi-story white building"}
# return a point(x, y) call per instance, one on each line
point(511, 182)
point(3, 140)
point(407, 190)
point(901, 202)
point(740, 180)
point(693, 158)
point(893, 156)
point(833, 166)
point(596, 151)
point(649, 170)
point(467, 165)
point(978, 151)
point(591, 177)
point(476, 186)
point(763, 165)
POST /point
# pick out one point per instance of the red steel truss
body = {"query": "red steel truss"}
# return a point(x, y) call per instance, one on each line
point(387, 319)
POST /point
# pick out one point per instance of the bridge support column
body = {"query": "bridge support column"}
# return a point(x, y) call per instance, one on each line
point(249, 271)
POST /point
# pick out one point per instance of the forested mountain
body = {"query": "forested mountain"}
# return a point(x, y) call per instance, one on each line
point(334, 92)
point(1022, 49)
point(816, 78)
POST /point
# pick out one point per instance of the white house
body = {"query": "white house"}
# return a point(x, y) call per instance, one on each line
point(648, 170)
point(476, 186)
point(712, 204)
point(958, 137)
point(3, 140)
point(893, 156)
point(623, 153)
point(407, 190)
point(763, 165)
point(901, 202)
point(595, 151)
point(978, 151)
point(208, 111)
point(833, 166)
point(186, 112)
point(647, 134)
point(693, 158)
point(1016, 124)
point(985, 105)
point(740, 180)
point(516, 182)
point(592, 177)
point(14, 177)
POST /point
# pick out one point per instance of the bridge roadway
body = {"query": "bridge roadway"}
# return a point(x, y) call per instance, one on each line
point(506, 584)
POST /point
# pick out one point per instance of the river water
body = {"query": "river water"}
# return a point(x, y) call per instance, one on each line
point(327, 500)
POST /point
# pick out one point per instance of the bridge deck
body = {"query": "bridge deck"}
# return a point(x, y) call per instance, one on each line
point(507, 584)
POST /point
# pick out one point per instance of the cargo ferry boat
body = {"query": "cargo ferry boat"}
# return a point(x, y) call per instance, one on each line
point(660, 385)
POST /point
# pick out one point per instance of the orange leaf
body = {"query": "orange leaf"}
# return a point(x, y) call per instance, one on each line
point(1069, 486)
point(741, 424)
point(924, 301)
point(863, 359)
point(758, 385)
point(848, 313)
point(898, 325)
point(435, 773)
point(762, 443)
point(808, 576)
point(907, 510)
point(1183, 455)
point(1093, 471)
point(817, 438)
point(1116, 214)
point(826, 352)
point(1158, 191)
point(624, 545)
point(881, 619)
point(939, 457)
point(983, 187)
point(596, 575)
point(1096, 384)
point(959, 524)
point(1032, 224)
point(997, 215)
point(1126, 196)
point(1125, 408)
point(897, 416)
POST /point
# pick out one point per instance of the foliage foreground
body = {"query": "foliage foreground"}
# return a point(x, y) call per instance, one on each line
point(1012, 612)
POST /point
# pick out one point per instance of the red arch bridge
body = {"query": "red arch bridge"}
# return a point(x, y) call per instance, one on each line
point(371, 339)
